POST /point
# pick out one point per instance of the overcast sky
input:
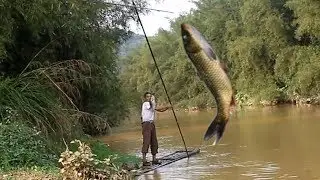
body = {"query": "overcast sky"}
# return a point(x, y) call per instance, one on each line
point(155, 20)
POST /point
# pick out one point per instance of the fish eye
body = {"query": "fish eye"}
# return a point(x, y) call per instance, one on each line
point(185, 37)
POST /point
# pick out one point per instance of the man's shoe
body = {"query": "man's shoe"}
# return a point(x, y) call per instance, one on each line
point(146, 163)
point(156, 162)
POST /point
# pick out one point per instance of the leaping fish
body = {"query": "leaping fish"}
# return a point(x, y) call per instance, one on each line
point(214, 74)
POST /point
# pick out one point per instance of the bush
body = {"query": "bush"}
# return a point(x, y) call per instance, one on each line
point(83, 164)
point(22, 146)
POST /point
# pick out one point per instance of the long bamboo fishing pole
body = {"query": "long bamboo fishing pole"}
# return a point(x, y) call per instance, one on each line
point(164, 86)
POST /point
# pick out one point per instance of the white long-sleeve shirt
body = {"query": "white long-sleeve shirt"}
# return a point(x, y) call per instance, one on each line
point(148, 112)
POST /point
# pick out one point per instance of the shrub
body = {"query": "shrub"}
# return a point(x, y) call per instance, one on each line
point(22, 146)
point(83, 164)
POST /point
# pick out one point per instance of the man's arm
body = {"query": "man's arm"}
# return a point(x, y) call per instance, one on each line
point(162, 109)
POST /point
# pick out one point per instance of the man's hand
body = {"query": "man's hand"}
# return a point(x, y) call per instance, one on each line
point(152, 98)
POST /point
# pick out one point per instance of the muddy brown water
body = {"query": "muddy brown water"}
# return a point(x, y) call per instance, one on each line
point(259, 143)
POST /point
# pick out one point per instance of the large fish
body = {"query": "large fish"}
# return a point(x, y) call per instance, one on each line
point(214, 74)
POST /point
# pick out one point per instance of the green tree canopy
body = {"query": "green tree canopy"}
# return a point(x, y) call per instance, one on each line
point(75, 43)
point(271, 48)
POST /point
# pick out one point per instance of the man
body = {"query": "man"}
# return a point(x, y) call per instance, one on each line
point(148, 128)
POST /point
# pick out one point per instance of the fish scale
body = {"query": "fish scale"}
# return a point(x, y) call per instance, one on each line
point(215, 79)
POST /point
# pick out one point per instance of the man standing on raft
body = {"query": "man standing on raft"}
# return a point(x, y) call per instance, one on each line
point(148, 128)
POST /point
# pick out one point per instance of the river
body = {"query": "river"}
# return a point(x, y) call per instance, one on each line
point(279, 142)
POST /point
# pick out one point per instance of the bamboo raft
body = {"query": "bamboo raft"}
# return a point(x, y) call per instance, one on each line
point(165, 160)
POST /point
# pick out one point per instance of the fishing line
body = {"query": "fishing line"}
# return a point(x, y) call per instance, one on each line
point(174, 114)
point(125, 5)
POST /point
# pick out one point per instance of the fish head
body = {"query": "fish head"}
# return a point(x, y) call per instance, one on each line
point(190, 38)
point(194, 42)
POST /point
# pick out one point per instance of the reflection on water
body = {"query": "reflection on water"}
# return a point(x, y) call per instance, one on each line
point(259, 143)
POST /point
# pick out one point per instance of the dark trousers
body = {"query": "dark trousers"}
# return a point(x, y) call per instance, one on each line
point(149, 138)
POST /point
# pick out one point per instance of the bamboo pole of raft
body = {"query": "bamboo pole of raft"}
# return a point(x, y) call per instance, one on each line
point(168, 159)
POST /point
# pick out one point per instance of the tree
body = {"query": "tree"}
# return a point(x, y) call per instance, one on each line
point(269, 46)
point(44, 33)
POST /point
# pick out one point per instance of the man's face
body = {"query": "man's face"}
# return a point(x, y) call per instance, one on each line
point(148, 97)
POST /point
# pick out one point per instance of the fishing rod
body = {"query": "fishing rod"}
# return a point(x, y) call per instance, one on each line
point(125, 5)
point(164, 86)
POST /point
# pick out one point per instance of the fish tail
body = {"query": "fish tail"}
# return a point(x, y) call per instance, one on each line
point(216, 127)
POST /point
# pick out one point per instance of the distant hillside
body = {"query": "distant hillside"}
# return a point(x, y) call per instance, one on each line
point(134, 42)
point(128, 46)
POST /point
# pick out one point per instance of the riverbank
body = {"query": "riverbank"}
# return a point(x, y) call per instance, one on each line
point(26, 154)
point(263, 103)
point(101, 161)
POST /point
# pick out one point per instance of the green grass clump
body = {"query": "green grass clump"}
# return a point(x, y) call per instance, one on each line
point(23, 147)
point(103, 151)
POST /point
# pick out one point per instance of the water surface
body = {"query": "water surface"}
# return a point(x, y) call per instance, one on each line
point(259, 143)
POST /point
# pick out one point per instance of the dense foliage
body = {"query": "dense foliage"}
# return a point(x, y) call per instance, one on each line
point(22, 146)
point(59, 58)
point(58, 74)
point(271, 48)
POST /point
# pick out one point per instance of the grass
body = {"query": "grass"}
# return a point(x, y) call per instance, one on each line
point(103, 151)
point(32, 173)
point(34, 104)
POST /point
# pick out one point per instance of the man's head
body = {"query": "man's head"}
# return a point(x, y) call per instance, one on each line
point(147, 96)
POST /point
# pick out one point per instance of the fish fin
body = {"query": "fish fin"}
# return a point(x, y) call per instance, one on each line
point(200, 76)
point(224, 67)
point(216, 127)
point(208, 49)
point(209, 52)
point(232, 105)
point(233, 101)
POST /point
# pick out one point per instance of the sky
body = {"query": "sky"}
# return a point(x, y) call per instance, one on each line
point(155, 20)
